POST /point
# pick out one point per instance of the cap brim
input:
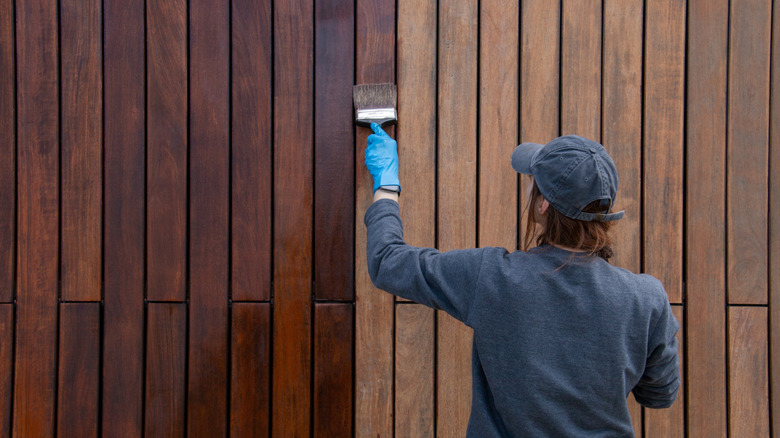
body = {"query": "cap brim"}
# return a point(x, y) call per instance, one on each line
point(523, 156)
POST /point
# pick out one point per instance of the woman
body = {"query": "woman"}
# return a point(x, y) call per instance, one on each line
point(560, 335)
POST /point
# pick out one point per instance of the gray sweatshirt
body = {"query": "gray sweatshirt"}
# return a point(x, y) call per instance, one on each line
point(560, 339)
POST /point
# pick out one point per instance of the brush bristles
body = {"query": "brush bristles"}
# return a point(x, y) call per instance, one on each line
point(371, 96)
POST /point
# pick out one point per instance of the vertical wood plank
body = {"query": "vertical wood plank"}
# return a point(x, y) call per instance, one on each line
point(7, 150)
point(705, 219)
point(581, 68)
point(748, 372)
point(456, 198)
point(498, 136)
point(78, 394)
point(250, 350)
point(670, 422)
point(251, 150)
point(293, 168)
point(6, 367)
point(209, 204)
point(622, 132)
point(414, 365)
point(663, 142)
point(166, 156)
point(38, 218)
point(375, 63)
point(333, 369)
point(166, 355)
point(122, 405)
point(774, 223)
point(82, 136)
point(747, 150)
point(334, 167)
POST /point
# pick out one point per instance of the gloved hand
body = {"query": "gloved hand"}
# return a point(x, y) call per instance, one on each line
point(382, 158)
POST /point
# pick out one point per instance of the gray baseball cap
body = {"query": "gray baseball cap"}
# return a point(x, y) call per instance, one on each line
point(571, 172)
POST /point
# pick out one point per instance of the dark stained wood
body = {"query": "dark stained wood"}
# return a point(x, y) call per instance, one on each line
point(38, 219)
point(166, 149)
point(456, 199)
point(374, 322)
point(670, 422)
point(166, 356)
point(250, 350)
point(251, 150)
point(774, 224)
point(7, 151)
point(581, 69)
point(664, 81)
point(498, 136)
point(293, 191)
point(747, 150)
point(414, 365)
point(82, 134)
point(333, 334)
point(78, 395)
point(705, 219)
point(207, 380)
point(334, 167)
point(6, 367)
point(748, 372)
point(122, 406)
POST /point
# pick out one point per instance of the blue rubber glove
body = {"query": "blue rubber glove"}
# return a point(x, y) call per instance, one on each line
point(382, 158)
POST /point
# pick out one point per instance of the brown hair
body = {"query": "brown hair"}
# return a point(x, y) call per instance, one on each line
point(557, 229)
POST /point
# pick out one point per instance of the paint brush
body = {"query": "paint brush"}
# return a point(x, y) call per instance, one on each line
point(375, 103)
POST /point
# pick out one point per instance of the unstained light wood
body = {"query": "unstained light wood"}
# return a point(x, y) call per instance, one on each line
point(747, 150)
point(209, 173)
point(774, 223)
point(414, 370)
point(292, 209)
point(333, 333)
point(662, 155)
point(375, 40)
point(250, 384)
point(7, 151)
point(251, 150)
point(123, 263)
point(166, 149)
point(581, 68)
point(705, 220)
point(166, 369)
point(38, 218)
point(748, 372)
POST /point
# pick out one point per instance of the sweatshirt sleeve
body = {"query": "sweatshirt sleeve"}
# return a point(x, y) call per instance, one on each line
point(442, 280)
point(658, 386)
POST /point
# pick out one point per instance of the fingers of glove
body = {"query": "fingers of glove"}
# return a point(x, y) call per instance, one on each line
point(378, 130)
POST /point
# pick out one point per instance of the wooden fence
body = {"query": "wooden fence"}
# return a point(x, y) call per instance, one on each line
point(182, 194)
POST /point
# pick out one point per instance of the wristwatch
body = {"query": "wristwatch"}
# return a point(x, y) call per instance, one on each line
point(391, 189)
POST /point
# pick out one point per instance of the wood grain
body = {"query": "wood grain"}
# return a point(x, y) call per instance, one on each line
point(81, 155)
point(7, 151)
point(747, 151)
point(670, 422)
point(250, 352)
point(123, 53)
point(581, 69)
point(6, 367)
point(166, 150)
point(774, 223)
point(251, 150)
point(78, 393)
point(333, 393)
point(456, 199)
point(207, 380)
point(374, 320)
point(498, 117)
point(414, 368)
point(334, 166)
point(293, 191)
point(166, 369)
point(38, 219)
point(664, 83)
point(748, 372)
point(705, 219)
